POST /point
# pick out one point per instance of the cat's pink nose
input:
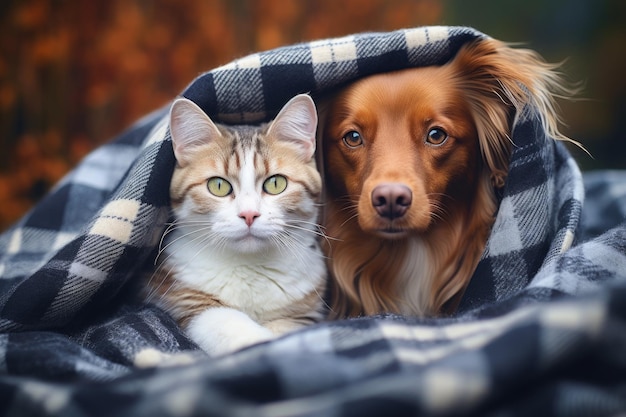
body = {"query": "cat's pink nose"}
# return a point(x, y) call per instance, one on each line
point(249, 216)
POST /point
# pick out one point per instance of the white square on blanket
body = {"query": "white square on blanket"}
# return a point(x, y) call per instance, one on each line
point(422, 36)
point(343, 49)
point(116, 220)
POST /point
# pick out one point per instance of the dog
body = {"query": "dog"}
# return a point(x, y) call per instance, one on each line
point(413, 162)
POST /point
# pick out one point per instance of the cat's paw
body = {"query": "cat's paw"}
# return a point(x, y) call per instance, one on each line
point(221, 330)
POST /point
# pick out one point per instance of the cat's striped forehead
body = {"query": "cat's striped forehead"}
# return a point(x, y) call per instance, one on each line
point(247, 143)
point(246, 138)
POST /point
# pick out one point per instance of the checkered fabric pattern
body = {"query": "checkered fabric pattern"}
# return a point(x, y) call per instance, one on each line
point(541, 331)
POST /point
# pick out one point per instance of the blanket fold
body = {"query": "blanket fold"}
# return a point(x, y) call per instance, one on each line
point(541, 329)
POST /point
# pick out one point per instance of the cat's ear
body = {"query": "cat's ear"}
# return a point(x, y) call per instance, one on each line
point(296, 123)
point(190, 127)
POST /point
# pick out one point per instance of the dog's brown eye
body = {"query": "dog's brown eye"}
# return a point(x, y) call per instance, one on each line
point(353, 139)
point(436, 136)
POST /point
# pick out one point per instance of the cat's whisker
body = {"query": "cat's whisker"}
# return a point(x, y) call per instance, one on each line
point(308, 222)
point(166, 261)
point(166, 292)
point(182, 237)
point(288, 242)
point(170, 227)
point(154, 288)
point(321, 298)
point(206, 235)
point(202, 246)
point(318, 232)
point(305, 229)
point(294, 243)
point(187, 222)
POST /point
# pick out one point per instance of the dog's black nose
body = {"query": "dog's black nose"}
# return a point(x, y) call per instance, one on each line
point(391, 200)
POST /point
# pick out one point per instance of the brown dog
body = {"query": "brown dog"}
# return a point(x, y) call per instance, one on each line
point(412, 162)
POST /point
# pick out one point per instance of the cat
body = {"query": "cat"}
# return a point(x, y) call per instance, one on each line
point(241, 263)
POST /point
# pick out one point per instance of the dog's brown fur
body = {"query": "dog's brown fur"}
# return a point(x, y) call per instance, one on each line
point(420, 259)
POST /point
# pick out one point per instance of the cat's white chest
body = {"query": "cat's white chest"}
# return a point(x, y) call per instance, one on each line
point(253, 283)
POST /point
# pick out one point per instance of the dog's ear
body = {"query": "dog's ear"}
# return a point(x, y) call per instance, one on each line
point(499, 82)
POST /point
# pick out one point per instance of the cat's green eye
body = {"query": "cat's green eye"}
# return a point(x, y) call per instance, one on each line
point(219, 187)
point(275, 184)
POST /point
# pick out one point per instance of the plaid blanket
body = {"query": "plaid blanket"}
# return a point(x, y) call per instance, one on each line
point(541, 330)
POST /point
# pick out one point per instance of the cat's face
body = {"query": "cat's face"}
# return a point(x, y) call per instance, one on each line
point(243, 188)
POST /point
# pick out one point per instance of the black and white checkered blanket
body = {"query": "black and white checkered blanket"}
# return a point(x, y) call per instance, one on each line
point(542, 328)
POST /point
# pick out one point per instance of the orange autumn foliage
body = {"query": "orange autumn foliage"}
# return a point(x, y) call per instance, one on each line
point(75, 74)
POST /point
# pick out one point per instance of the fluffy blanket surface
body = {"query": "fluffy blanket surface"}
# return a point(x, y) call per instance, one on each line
point(541, 331)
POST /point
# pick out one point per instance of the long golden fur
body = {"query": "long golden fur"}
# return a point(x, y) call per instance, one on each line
point(413, 160)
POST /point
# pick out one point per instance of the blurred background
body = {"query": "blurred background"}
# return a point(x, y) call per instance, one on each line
point(73, 74)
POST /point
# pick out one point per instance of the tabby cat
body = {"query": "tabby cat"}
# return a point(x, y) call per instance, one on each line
point(241, 263)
